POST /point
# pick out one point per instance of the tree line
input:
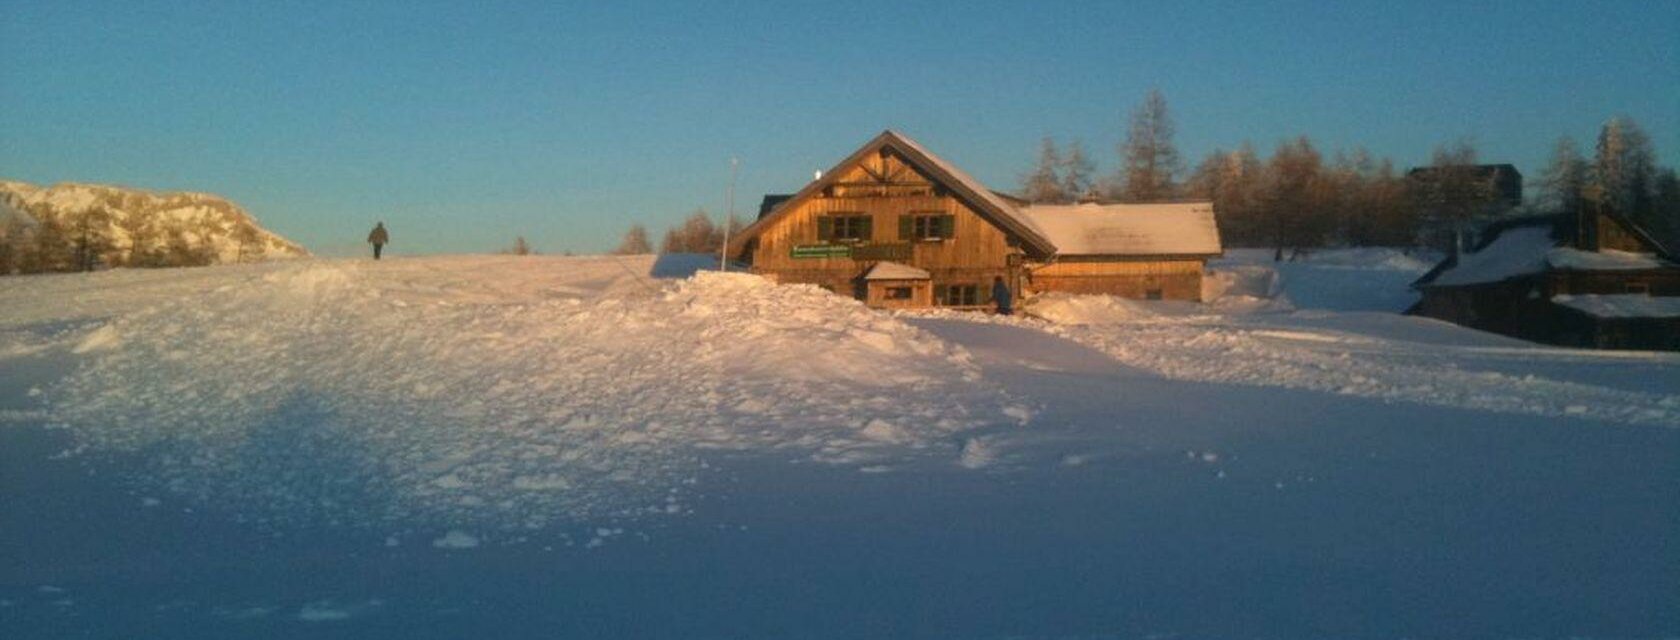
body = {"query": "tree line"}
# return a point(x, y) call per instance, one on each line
point(1300, 198)
point(695, 234)
point(46, 243)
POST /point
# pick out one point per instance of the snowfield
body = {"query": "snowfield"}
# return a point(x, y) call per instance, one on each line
point(631, 446)
point(499, 391)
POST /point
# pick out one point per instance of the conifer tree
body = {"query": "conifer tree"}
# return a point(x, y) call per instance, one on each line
point(1044, 183)
point(1149, 161)
point(1076, 174)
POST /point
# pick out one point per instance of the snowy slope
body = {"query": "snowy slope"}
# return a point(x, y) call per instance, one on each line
point(510, 446)
point(200, 220)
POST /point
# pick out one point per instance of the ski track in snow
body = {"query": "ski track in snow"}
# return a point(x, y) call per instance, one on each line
point(503, 393)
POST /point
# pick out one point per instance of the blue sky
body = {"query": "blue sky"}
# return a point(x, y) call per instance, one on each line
point(464, 124)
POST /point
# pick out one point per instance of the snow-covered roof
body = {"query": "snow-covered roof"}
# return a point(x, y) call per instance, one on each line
point(895, 271)
point(1604, 260)
point(1128, 229)
point(989, 205)
point(961, 177)
point(1518, 251)
point(1624, 305)
point(1521, 251)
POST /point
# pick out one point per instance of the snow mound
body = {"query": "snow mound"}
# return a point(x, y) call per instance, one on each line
point(359, 394)
point(1073, 309)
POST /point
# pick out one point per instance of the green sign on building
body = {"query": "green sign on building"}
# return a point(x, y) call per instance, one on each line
point(804, 251)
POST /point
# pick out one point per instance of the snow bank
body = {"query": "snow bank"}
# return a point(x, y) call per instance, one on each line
point(512, 394)
point(1071, 309)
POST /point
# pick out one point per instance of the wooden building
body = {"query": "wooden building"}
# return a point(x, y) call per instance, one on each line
point(1589, 280)
point(896, 226)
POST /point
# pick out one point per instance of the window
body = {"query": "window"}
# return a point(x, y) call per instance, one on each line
point(847, 227)
point(957, 295)
point(898, 293)
point(926, 227)
point(1152, 294)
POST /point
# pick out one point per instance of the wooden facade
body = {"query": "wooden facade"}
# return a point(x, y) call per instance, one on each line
point(1162, 279)
point(892, 201)
point(890, 194)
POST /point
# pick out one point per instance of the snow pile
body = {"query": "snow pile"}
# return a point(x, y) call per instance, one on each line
point(1071, 309)
point(513, 394)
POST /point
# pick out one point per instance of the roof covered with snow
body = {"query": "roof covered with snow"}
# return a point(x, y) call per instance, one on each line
point(1625, 305)
point(985, 203)
point(1516, 252)
point(1604, 260)
point(1521, 251)
point(1128, 229)
point(896, 271)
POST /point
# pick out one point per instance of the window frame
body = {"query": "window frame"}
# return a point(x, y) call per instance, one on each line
point(856, 226)
point(959, 294)
point(928, 226)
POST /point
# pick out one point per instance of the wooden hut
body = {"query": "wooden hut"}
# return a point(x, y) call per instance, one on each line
point(892, 209)
point(1591, 280)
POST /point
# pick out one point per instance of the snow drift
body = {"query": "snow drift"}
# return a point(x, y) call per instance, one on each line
point(404, 391)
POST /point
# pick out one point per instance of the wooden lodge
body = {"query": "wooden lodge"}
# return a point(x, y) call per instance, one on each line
point(1589, 280)
point(898, 227)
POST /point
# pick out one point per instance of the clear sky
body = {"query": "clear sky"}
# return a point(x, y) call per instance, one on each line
point(463, 124)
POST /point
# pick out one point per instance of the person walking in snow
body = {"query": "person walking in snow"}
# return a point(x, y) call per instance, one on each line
point(1000, 295)
point(378, 238)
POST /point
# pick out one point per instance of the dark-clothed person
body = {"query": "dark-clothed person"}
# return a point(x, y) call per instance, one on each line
point(1000, 295)
point(378, 238)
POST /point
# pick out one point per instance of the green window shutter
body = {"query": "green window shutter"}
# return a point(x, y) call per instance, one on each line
point(866, 231)
point(947, 226)
point(904, 223)
point(825, 228)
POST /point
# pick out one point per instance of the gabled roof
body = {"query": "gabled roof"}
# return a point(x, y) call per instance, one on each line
point(1526, 246)
point(770, 202)
point(1183, 229)
point(895, 271)
point(988, 205)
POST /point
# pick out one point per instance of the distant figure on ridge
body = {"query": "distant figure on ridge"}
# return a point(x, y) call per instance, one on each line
point(1000, 295)
point(378, 238)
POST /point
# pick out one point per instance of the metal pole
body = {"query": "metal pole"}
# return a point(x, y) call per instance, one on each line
point(729, 221)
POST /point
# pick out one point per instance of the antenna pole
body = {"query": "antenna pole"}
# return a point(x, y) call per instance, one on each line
point(729, 220)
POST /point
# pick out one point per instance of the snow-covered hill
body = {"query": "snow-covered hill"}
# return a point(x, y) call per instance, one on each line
point(506, 446)
point(149, 228)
